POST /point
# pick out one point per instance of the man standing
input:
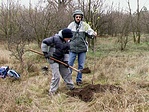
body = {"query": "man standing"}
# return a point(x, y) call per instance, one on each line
point(58, 47)
point(78, 43)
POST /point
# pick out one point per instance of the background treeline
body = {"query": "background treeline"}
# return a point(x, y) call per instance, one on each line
point(20, 25)
point(35, 23)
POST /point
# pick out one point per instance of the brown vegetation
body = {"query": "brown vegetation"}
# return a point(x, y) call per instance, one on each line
point(119, 63)
point(120, 82)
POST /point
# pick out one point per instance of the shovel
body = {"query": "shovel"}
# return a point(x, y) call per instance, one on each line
point(85, 70)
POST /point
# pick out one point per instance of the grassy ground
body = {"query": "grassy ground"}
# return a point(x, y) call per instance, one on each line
point(128, 69)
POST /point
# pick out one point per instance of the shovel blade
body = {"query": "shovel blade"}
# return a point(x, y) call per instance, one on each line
point(86, 70)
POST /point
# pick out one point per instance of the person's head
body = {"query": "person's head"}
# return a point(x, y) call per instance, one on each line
point(78, 16)
point(66, 34)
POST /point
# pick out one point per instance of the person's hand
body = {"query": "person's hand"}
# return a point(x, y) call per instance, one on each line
point(95, 34)
point(66, 64)
point(47, 55)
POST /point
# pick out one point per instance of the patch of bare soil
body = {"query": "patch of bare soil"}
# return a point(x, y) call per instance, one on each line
point(86, 93)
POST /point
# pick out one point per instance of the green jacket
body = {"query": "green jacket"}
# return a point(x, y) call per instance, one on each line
point(78, 42)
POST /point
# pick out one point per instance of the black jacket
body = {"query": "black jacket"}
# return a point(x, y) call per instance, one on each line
point(56, 45)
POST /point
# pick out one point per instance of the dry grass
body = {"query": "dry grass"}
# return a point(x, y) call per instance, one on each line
point(128, 69)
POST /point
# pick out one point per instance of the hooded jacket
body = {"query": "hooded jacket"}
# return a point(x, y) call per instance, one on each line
point(78, 42)
point(57, 47)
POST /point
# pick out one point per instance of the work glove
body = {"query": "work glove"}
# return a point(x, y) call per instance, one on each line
point(66, 64)
point(47, 55)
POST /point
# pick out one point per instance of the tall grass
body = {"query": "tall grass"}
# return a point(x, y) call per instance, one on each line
point(128, 69)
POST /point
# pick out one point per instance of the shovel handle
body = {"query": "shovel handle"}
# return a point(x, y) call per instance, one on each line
point(55, 60)
point(64, 64)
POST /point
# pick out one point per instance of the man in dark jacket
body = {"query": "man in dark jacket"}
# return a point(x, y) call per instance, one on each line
point(58, 48)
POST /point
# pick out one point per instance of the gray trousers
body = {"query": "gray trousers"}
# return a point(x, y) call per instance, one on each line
point(57, 71)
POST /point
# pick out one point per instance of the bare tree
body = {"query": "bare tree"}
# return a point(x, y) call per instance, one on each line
point(138, 23)
point(12, 30)
point(62, 13)
point(145, 20)
point(135, 28)
point(124, 27)
point(93, 10)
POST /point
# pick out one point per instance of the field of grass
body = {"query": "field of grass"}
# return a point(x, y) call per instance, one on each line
point(128, 69)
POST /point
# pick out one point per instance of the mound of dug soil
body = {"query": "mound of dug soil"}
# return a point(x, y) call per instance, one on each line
point(86, 93)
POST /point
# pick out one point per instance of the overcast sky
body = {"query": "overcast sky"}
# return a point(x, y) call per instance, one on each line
point(123, 3)
point(133, 3)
